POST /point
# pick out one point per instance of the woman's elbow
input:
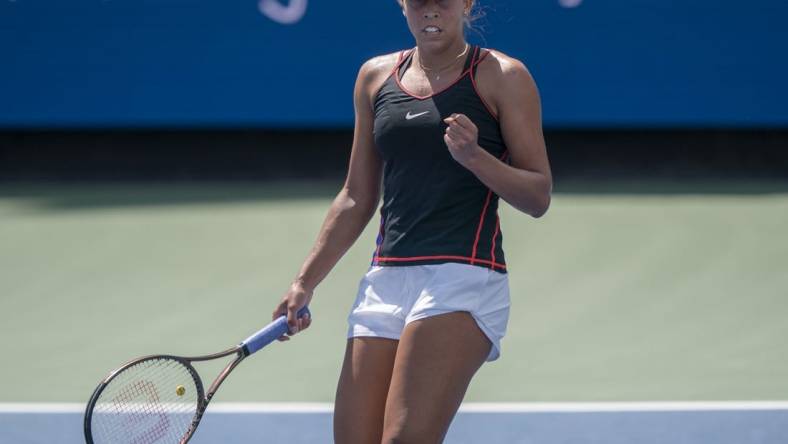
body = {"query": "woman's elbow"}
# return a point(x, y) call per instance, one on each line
point(362, 204)
point(541, 208)
point(541, 204)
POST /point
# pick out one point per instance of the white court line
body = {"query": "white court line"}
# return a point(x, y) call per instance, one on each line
point(667, 406)
point(471, 407)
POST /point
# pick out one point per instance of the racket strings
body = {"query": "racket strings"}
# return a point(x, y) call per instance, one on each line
point(153, 401)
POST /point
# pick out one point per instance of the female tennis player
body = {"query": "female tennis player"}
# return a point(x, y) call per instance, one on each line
point(448, 127)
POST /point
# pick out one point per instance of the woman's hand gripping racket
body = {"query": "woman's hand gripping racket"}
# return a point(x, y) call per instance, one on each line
point(160, 398)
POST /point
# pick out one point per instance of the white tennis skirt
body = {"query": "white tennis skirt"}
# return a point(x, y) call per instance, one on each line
point(390, 297)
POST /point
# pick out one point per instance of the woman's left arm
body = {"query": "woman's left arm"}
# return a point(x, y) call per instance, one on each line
point(527, 183)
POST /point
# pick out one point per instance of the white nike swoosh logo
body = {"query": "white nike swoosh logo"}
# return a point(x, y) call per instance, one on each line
point(410, 116)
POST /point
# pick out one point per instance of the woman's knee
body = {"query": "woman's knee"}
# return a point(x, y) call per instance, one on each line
point(413, 425)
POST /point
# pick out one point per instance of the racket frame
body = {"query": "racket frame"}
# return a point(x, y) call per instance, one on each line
point(249, 346)
point(203, 398)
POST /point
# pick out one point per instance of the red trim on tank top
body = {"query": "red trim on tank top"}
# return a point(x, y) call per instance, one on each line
point(406, 91)
point(400, 59)
point(471, 261)
point(476, 88)
point(495, 235)
point(382, 235)
point(479, 228)
point(484, 212)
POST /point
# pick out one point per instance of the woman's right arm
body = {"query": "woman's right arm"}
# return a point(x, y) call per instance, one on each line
point(354, 206)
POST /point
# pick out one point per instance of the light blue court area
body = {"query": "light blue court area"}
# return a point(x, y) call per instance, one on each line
point(552, 423)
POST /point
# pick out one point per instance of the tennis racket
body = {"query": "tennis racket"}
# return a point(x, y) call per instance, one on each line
point(160, 398)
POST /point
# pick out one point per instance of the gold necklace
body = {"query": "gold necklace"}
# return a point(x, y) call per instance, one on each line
point(439, 71)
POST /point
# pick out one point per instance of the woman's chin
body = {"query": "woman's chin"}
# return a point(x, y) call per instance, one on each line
point(437, 42)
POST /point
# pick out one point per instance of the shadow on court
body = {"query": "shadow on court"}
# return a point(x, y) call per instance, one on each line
point(77, 196)
point(90, 195)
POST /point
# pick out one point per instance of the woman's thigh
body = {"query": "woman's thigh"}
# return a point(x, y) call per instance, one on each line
point(362, 388)
point(436, 359)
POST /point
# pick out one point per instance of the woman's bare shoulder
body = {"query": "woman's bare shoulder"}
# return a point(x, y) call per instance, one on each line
point(379, 66)
point(504, 81)
point(504, 70)
point(374, 72)
point(382, 63)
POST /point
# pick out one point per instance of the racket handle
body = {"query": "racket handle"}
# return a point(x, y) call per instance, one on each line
point(269, 333)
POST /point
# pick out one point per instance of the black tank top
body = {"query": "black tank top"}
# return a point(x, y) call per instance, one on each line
point(434, 209)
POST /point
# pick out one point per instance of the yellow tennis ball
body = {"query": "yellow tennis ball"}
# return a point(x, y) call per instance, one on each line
point(180, 390)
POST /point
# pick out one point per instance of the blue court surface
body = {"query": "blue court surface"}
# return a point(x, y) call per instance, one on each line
point(556, 423)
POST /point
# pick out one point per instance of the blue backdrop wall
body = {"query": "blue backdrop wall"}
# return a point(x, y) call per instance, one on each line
point(279, 63)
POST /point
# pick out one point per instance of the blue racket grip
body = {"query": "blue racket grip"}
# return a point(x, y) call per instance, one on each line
point(269, 333)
